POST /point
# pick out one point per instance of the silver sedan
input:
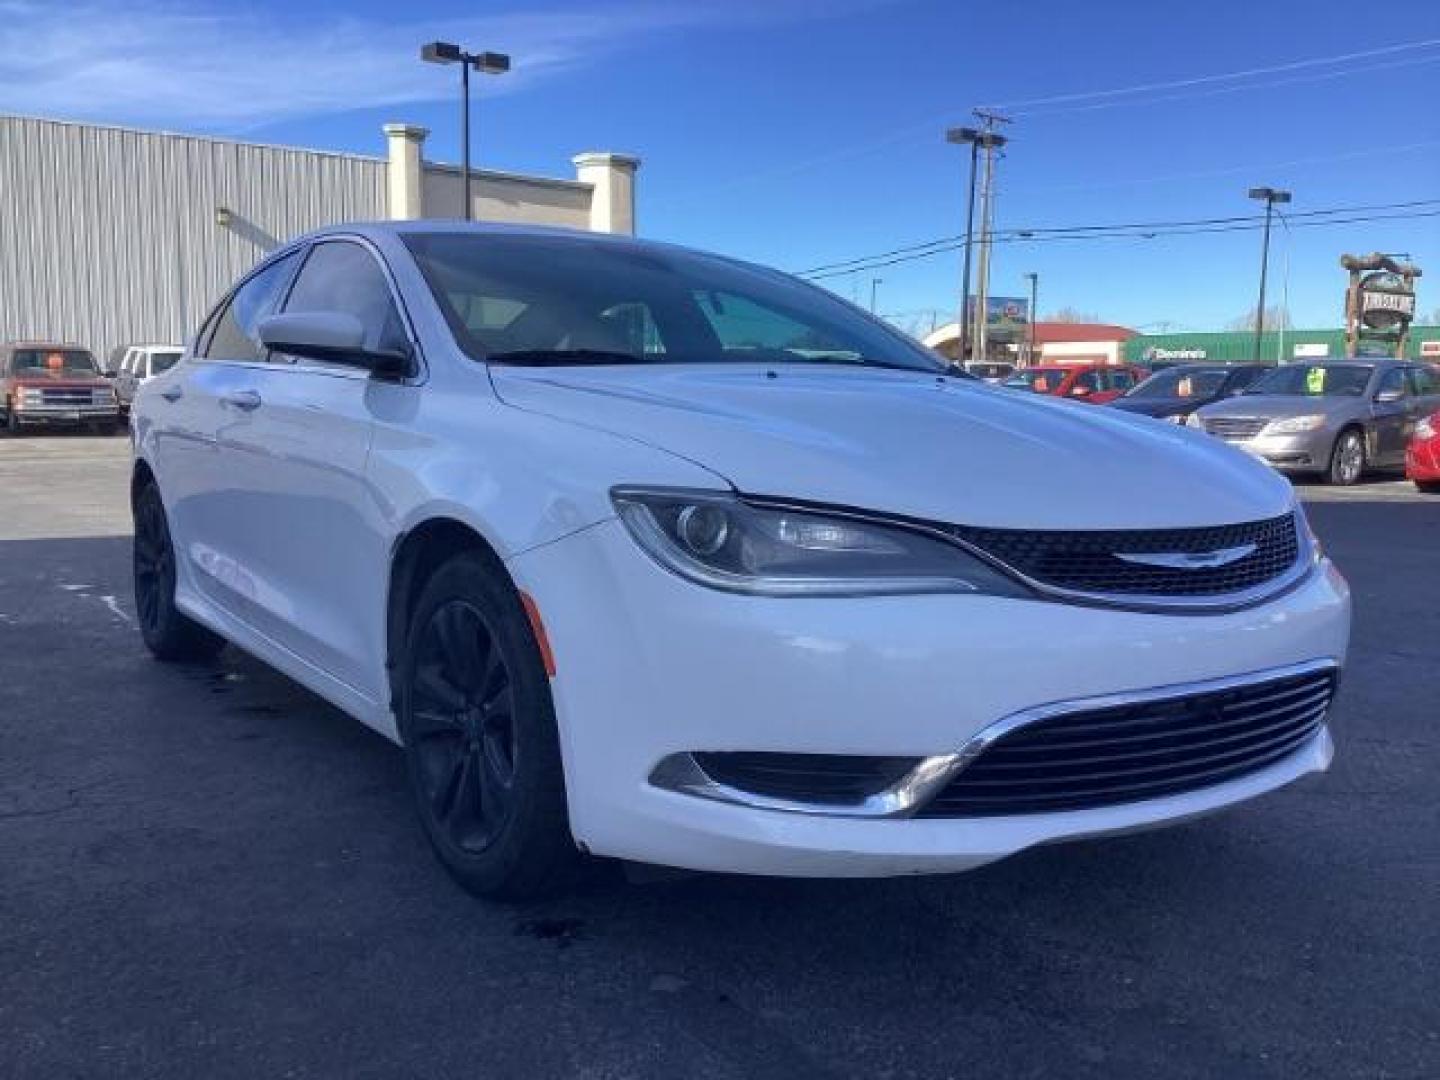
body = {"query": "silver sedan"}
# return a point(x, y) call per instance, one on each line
point(1336, 419)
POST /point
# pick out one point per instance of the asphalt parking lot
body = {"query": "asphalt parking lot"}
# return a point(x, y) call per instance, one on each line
point(208, 872)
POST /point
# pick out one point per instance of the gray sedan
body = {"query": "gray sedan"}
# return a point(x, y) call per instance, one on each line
point(1336, 419)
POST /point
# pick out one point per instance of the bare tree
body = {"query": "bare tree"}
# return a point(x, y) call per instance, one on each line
point(1071, 315)
point(1276, 318)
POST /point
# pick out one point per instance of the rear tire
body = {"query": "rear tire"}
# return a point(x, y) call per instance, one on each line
point(1428, 487)
point(168, 633)
point(481, 743)
point(1347, 459)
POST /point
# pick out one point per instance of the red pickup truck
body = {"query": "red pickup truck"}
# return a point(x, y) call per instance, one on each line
point(1081, 382)
point(43, 383)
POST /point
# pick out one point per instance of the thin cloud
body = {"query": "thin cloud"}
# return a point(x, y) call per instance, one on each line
point(206, 67)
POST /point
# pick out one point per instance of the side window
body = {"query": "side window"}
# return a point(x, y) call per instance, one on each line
point(235, 335)
point(1086, 382)
point(345, 278)
point(1424, 381)
point(1121, 380)
point(1393, 381)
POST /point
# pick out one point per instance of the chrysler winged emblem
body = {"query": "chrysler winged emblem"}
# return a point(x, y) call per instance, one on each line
point(1189, 560)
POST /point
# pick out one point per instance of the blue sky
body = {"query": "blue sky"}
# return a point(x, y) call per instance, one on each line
point(801, 132)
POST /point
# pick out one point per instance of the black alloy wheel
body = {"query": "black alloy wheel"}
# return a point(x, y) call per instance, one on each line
point(462, 723)
point(168, 633)
point(481, 741)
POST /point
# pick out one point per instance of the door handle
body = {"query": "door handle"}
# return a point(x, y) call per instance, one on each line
point(172, 393)
point(245, 400)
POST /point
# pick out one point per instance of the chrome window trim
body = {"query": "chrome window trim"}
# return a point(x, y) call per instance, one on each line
point(682, 774)
point(1307, 560)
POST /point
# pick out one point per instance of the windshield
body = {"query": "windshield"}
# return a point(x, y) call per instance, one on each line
point(563, 300)
point(1181, 383)
point(162, 361)
point(1040, 380)
point(1314, 380)
point(71, 362)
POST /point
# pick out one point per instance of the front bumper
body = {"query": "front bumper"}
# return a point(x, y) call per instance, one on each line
point(1422, 461)
point(650, 666)
point(53, 414)
point(1304, 451)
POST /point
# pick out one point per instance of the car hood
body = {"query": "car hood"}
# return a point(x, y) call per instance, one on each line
point(1281, 405)
point(1155, 406)
point(912, 444)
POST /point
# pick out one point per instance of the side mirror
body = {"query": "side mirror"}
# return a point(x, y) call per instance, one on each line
point(1080, 391)
point(332, 336)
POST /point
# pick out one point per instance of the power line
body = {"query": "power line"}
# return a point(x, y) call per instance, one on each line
point(1127, 231)
point(1200, 80)
point(1031, 232)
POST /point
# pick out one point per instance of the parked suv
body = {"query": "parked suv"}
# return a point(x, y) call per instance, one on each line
point(1336, 419)
point(138, 364)
point(641, 552)
point(43, 383)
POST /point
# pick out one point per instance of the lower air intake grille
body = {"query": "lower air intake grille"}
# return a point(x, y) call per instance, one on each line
point(811, 778)
point(1129, 753)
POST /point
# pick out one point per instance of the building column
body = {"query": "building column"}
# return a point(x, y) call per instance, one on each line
point(612, 181)
point(404, 174)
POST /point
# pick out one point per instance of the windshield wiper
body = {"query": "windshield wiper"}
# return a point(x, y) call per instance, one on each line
point(546, 357)
point(865, 361)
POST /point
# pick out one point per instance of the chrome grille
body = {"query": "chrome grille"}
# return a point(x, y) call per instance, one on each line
point(1127, 753)
point(1235, 428)
point(1090, 562)
point(71, 396)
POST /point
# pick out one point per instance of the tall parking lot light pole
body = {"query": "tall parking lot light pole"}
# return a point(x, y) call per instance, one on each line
point(1271, 196)
point(488, 63)
point(1034, 280)
point(962, 319)
point(875, 284)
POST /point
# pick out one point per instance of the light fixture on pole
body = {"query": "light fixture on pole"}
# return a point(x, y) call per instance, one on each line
point(487, 63)
point(1034, 280)
point(976, 138)
point(1271, 196)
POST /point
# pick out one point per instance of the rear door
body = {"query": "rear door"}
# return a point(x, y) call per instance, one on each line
point(311, 548)
point(185, 413)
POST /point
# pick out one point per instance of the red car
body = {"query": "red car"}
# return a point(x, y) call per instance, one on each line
point(1079, 382)
point(1422, 456)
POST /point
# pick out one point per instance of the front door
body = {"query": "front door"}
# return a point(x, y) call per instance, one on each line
point(1393, 419)
point(295, 449)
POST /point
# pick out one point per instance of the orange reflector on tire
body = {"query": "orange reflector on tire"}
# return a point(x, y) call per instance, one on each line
point(538, 628)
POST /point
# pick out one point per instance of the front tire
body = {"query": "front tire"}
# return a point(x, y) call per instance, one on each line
point(1347, 459)
point(168, 634)
point(481, 743)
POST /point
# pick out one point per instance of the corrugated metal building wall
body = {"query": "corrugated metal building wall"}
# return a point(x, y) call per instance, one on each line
point(109, 235)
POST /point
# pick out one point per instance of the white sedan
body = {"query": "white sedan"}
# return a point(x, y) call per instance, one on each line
point(665, 557)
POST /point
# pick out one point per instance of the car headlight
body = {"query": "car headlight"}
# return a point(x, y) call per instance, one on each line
point(723, 542)
point(1181, 418)
point(1193, 420)
point(1292, 425)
